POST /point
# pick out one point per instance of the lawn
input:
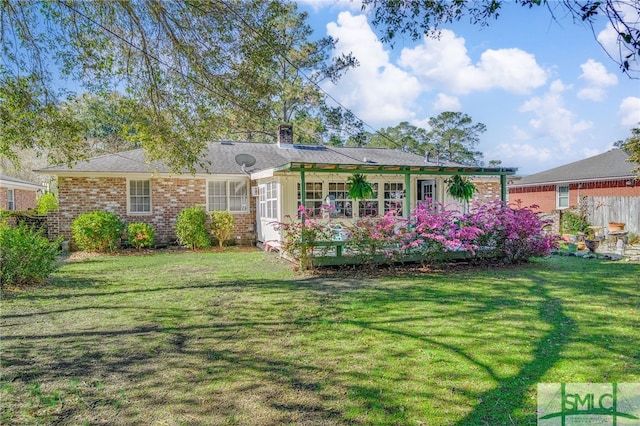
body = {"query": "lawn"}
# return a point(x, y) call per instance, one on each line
point(238, 338)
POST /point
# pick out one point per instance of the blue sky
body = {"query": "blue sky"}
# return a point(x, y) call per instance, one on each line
point(546, 90)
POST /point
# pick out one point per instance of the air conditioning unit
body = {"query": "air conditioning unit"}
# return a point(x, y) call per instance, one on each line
point(255, 191)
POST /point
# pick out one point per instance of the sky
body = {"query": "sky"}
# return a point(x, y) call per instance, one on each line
point(545, 89)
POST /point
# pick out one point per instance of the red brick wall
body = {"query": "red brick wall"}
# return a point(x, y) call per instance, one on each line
point(24, 199)
point(545, 195)
point(486, 191)
point(77, 195)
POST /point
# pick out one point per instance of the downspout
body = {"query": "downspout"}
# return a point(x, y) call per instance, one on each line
point(503, 188)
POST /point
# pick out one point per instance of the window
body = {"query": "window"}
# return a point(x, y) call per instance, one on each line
point(313, 194)
point(11, 201)
point(269, 200)
point(342, 205)
point(369, 207)
point(563, 197)
point(232, 196)
point(139, 196)
point(393, 196)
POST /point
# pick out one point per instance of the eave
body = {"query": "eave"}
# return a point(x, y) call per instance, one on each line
point(393, 169)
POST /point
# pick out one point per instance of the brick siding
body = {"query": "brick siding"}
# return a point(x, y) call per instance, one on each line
point(487, 191)
point(77, 195)
point(24, 199)
point(545, 195)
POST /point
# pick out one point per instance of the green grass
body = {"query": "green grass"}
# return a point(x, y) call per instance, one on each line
point(238, 338)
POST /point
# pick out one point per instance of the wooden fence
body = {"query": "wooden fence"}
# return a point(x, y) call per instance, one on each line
point(602, 210)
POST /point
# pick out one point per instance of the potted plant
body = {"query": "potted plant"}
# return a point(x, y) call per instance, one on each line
point(359, 188)
point(461, 188)
point(573, 223)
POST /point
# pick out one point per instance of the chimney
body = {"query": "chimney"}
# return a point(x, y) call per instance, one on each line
point(285, 135)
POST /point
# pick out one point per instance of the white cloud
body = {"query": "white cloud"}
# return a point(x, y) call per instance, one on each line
point(629, 112)
point(522, 153)
point(445, 62)
point(377, 91)
point(597, 79)
point(552, 121)
point(422, 123)
point(446, 103)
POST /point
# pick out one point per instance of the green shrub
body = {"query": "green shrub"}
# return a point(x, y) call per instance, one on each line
point(572, 223)
point(140, 235)
point(46, 203)
point(191, 228)
point(221, 226)
point(26, 256)
point(97, 231)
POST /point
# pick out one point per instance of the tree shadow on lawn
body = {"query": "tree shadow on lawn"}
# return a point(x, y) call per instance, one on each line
point(285, 388)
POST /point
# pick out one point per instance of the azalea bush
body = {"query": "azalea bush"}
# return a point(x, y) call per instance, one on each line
point(513, 232)
point(369, 237)
point(299, 237)
point(97, 231)
point(492, 230)
point(436, 228)
point(140, 235)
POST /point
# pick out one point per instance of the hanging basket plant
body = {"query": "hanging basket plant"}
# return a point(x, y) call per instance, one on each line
point(461, 188)
point(359, 187)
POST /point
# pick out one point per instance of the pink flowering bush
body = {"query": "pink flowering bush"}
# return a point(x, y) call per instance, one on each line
point(369, 237)
point(299, 237)
point(434, 228)
point(490, 230)
point(513, 232)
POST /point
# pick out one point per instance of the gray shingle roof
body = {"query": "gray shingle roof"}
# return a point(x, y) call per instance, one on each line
point(612, 164)
point(10, 180)
point(221, 159)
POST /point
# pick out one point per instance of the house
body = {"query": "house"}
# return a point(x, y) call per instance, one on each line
point(259, 183)
point(604, 185)
point(18, 194)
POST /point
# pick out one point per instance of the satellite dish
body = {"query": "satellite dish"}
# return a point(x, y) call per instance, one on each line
point(245, 160)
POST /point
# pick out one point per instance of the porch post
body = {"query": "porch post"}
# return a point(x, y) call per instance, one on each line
point(407, 204)
point(503, 187)
point(303, 192)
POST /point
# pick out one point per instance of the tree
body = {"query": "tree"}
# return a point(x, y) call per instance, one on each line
point(405, 137)
point(108, 121)
point(455, 137)
point(632, 146)
point(198, 70)
point(29, 123)
point(294, 71)
point(419, 17)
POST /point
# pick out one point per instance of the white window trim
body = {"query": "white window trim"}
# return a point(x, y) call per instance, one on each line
point(558, 196)
point(11, 200)
point(264, 201)
point(227, 192)
point(129, 212)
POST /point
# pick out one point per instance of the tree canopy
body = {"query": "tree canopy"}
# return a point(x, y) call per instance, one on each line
point(197, 70)
point(632, 146)
point(416, 18)
point(455, 136)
